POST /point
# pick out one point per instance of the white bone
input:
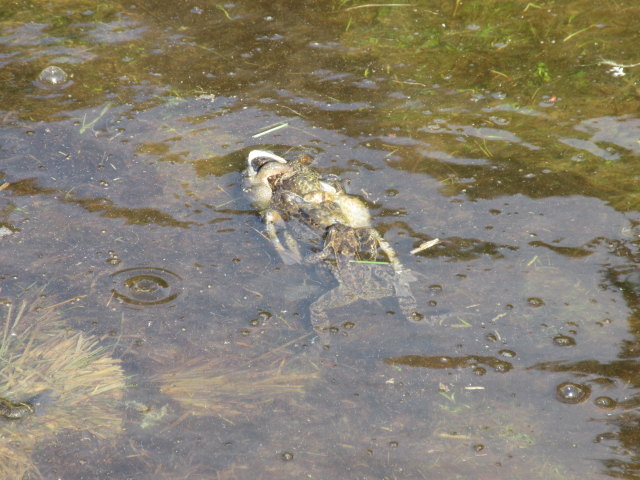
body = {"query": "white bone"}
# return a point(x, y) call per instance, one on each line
point(253, 154)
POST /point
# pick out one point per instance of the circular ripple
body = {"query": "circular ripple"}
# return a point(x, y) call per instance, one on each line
point(146, 285)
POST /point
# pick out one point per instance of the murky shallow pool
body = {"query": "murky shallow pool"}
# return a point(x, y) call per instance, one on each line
point(508, 130)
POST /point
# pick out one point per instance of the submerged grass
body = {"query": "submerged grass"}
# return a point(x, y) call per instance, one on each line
point(72, 382)
point(209, 387)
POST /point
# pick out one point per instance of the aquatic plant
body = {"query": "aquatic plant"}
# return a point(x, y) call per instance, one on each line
point(71, 381)
point(209, 387)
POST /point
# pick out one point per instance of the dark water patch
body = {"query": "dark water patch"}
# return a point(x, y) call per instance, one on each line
point(447, 362)
point(133, 216)
point(622, 369)
point(573, 252)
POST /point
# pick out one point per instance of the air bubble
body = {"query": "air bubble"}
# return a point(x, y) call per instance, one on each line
point(564, 341)
point(535, 301)
point(53, 77)
point(606, 403)
point(569, 392)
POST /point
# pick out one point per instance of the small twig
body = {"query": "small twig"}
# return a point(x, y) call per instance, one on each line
point(616, 64)
point(86, 126)
point(224, 204)
point(270, 130)
point(500, 74)
point(374, 5)
point(4, 185)
point(409, 83)
point(455, 8)
point(570, 36)
point(255, 292)
point(224, 10)
point(369, 262)
point(291, 109)
point(62, 303)
point(531, 5)
point(425, 245)
point(113, 294)
point(454, 435)
point(278, 348)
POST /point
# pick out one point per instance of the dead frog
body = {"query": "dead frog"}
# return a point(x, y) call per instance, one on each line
point(352, 253)
point(288, 192)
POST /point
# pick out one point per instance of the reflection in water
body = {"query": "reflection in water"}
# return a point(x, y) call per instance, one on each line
point(72, 383)
point(146, 285)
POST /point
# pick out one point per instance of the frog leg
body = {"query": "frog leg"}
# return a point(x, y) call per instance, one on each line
point(335, 298)
point(402, 278)
point(388, 250)
point(292, 245)
point(319, 256)
point(407, 302)
point(290, 255)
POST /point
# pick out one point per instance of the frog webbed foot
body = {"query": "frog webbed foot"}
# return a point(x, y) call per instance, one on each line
point(316, 257)
point(406, 299)
point(290, 254)
point(330, 300)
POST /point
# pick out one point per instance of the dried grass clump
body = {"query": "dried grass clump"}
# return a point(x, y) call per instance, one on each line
point(79, 385)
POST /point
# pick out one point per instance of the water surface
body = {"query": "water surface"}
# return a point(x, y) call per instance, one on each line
point(508, 130)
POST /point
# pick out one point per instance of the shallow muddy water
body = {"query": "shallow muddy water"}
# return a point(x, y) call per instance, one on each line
point(506, 129)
